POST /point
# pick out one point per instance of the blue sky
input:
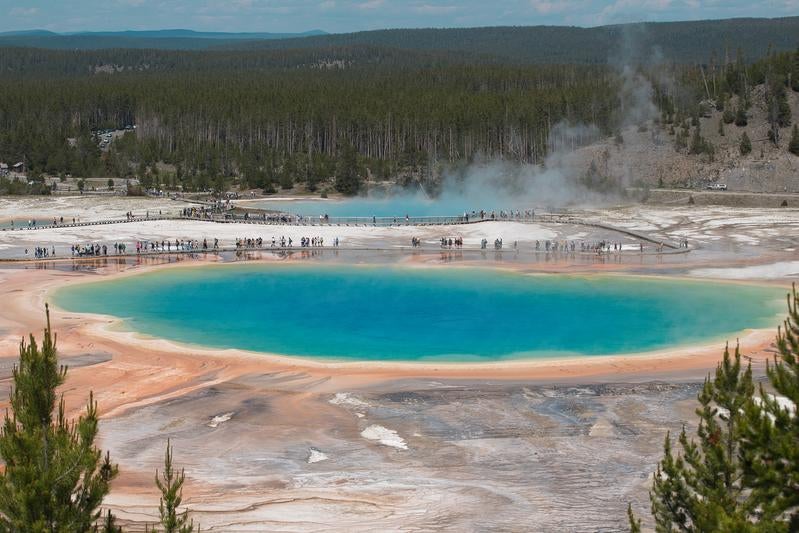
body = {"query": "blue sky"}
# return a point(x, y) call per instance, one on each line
point(354, 15)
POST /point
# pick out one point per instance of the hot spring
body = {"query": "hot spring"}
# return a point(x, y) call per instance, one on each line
point(416, 205)
point(410, 314)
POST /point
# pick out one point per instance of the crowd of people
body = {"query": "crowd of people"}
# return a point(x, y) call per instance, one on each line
point(93, 249)
point(450, 242)
point(249, 243)
point(286, 218)
point(527, 214)
point(241, 243)
point(548, 246)
point(179, 245)
point(201, 213)
point(146, 246)
point(271, 218)
point(41, 252)
point(283, 242)
point(582, 246)
point(315, 242)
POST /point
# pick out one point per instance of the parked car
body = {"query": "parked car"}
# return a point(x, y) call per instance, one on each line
point(717, 187)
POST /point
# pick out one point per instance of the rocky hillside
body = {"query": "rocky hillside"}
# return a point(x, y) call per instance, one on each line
point(648, 155)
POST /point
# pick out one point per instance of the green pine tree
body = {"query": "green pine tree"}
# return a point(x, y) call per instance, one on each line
point(728, 117)
point(771, 437)
point(348, 179)
point(700, 489)
point(741, 118)
point(110, 524)
point(170, 483)
point(697, 142)
point(635, 523)
point(55, 478)
point(746, 145)
point(793, 146)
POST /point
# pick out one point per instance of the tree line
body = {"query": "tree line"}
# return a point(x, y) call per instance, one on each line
point(274, 127)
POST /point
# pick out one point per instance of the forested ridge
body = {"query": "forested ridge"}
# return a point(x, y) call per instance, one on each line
point(156, 39)
point(284, 124)
point(31, 63)
point(684, 42)
point(274, 118)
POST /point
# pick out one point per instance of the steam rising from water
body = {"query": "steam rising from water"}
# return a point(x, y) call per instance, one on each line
point(484, 185)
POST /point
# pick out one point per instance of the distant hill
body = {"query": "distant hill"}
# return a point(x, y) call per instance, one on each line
point(27, 33)
point(685, 42)
point(176, 39)
point(190, 34)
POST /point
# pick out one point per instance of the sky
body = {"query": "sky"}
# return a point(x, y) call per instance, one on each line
point(339, 16)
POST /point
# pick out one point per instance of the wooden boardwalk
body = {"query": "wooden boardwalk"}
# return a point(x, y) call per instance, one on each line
point(277, 220)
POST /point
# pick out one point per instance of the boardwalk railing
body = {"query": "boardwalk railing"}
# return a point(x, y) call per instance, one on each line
point(282, 219)
point(271, 219)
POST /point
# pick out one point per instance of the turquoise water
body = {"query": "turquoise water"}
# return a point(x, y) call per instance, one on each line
point(396, 206)
point(394, 313)
point(23, 223)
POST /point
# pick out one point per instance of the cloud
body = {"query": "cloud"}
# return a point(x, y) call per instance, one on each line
point(428, 9)
point(629, 10)
point(551, 7)
point(23, 11)
point(370, 4)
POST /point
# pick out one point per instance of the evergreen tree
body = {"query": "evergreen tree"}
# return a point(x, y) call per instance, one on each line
point(55, 478)
point(348, 179)
point(778, 109)
point(700, 145)
point(746, 145)
point(635, 523)
point(696, 142)
point(741, 119)
point(110, 524)
point(171, 486)
point(793, 146)
point(771, 437)
point(700, 489)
